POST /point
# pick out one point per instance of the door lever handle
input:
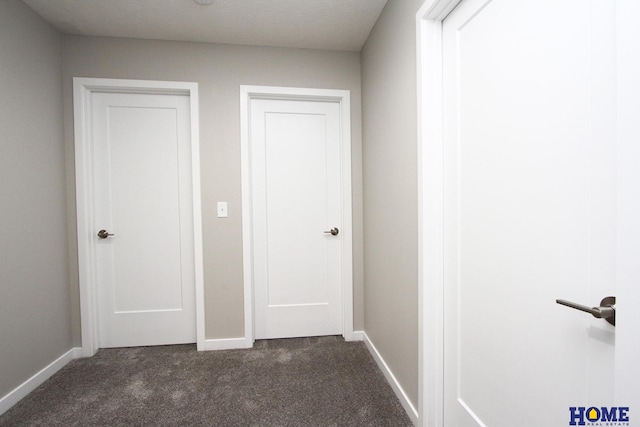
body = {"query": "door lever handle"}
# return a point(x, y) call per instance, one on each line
point(607, 309)
point(334, 231)
point(103, 234)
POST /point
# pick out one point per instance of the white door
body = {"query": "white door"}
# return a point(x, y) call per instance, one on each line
point(296, 202)
point(530, 212)
point(143, 196)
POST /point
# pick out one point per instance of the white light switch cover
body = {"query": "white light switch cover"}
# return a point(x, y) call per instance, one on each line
point(222, 210)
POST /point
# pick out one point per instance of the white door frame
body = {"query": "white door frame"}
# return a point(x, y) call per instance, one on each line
point(430, 211)
point(342, 97)
point(431, 202)
point(83, 88)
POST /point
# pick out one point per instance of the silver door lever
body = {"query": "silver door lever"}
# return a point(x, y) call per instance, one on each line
point(334, 231)
point(607, 309)
point(103, 234)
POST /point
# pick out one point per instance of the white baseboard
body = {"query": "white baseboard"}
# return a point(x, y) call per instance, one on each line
point(227, 344)
point(32, 383)
point(395, 385)
point(239, 343)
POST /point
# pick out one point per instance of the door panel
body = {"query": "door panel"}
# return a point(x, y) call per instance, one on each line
point(289, 223)
point(296, 192)
point(529, 209)
point(142, 182)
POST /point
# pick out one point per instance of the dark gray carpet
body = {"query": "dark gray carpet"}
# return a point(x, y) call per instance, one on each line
point(322, 381)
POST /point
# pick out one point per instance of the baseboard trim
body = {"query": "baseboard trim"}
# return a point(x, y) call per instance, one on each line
point(227, 344)
point(391, 379)
point(41, 376)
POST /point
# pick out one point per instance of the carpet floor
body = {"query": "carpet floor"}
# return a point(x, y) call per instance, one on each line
point(321, 381)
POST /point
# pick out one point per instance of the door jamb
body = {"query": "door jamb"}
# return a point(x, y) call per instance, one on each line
point(430, 205)
point(628, 195)
point(342, 97)
point(83, 88)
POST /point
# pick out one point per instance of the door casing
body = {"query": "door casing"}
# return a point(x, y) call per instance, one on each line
point(342, 97)
point(83, 88)
point(429, 53)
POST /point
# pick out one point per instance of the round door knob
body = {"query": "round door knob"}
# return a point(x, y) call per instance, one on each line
point(103, 234)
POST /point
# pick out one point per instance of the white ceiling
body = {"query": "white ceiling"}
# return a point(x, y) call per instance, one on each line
point(315, 24)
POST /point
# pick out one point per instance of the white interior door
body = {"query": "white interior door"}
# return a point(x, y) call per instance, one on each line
point(530, 211)
point(296, 202)
point(143, 196)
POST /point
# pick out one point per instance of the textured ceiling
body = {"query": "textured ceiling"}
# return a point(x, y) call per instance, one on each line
point(315, 24)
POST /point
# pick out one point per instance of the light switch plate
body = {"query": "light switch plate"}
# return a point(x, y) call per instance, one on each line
point(222, 210)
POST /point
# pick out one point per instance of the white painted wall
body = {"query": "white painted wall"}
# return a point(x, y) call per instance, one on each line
point(390, 177)
point(35, 324)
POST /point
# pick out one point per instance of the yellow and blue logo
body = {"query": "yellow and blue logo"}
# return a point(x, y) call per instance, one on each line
point(599, 416)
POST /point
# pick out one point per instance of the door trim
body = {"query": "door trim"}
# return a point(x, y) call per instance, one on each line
point(342, 97)
point(430, 210)
point(83, 88)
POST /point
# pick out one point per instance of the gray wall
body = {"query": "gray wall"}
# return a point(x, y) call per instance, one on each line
point(34, 290)
point(219, 70)
point(390, 190)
